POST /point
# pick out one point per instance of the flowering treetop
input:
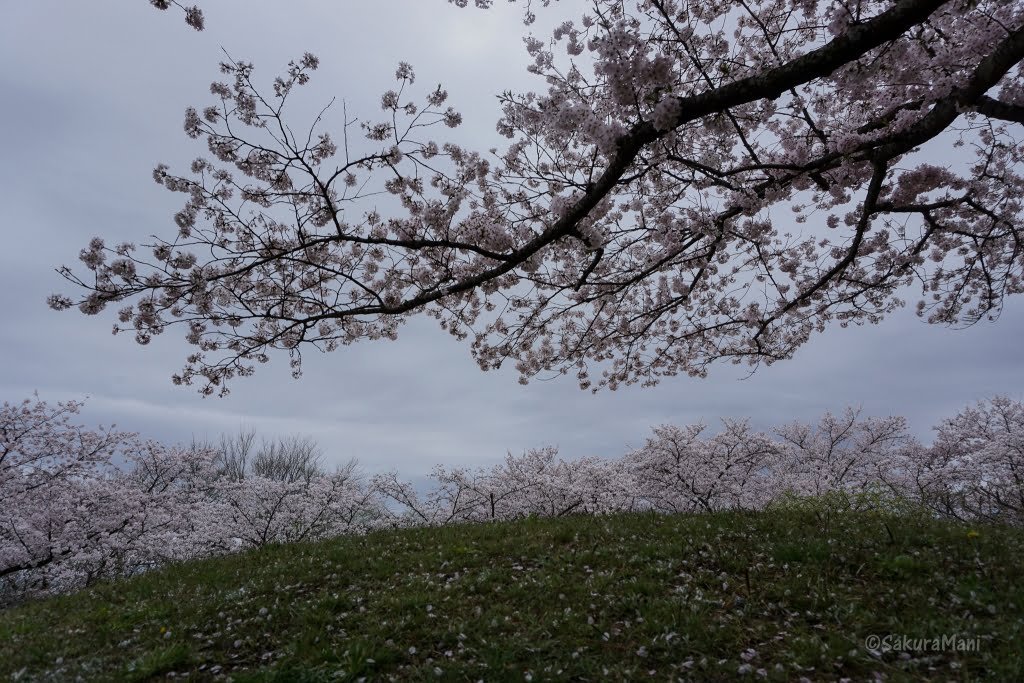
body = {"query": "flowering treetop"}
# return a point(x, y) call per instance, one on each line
point(697, 182)
point(193, 15)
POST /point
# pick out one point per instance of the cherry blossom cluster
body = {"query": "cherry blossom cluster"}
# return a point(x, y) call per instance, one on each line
point(83, 504)
point(528, 16)
point(193, 15)
point(695, 182)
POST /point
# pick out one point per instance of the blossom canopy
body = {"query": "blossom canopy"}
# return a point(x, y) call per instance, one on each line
point(698, 182)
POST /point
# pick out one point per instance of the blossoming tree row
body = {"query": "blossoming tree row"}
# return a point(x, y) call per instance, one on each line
point(78, 504)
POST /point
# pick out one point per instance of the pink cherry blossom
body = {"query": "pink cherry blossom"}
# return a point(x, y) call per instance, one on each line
point(690, 183)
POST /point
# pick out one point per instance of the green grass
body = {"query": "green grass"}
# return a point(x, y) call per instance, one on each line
point(796, 590)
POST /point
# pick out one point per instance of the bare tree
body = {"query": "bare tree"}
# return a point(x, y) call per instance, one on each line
point(233, 453)
point(288, 459)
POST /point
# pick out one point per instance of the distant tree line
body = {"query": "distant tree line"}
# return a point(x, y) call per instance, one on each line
point(81, 504)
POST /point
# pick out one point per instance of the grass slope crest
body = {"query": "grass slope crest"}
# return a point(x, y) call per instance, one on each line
point(818, 589)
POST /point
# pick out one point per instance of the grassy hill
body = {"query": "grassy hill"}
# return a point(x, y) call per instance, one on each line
point(796, 591)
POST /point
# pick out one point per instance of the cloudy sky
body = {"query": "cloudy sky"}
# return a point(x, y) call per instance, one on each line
point(93, 95)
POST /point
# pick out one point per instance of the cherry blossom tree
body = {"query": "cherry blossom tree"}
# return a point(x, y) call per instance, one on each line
point(256, 511)
point(278, 491)
point(933, 477)
point(678, 471)
point(842, 453)
point(698, 182)
point(540, 483)
point(79, 504)
point(975, 467)
point(534, 483)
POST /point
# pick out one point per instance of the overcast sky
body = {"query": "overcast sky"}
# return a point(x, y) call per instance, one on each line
point(93, 95)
